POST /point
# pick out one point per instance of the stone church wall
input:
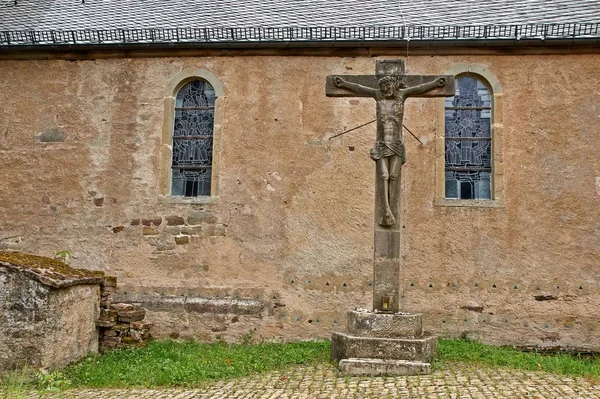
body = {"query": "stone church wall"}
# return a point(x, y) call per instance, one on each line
point(286, 248)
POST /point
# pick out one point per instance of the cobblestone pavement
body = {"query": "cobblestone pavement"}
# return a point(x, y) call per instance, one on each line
point(448, 381)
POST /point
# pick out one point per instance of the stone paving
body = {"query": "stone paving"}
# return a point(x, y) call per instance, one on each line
point(447, 381)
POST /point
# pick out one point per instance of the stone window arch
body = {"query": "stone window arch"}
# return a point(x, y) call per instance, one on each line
point(469, 156)
point(191, 137)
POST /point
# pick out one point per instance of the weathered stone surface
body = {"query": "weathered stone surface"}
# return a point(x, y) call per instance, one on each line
point(200, 305)
point(174, 221)
point(50, 272)
point(199, 217)
point(111, 340)
point(121, 306)
point(155, 221)
point(109, 332)
point(182, 240)
point(131, 315)
point(35, 314)
point(316, 225)
point(150, 231)
point(345, 346)
point(385, 325)
point(382, 367)
point(109, 281)
point(106, 323)
point(141, 325)
point(108, 315)
point(121, 328)
point(52, 135)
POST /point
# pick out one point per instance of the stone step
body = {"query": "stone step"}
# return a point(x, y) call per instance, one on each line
point(346, 346)
point(382, 367)
point(385, 325)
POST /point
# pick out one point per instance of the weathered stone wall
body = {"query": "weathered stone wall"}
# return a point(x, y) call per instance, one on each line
point(291, 233)
point(42, 326)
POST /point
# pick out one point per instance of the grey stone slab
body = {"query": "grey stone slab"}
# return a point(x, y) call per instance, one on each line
point(382, 367)
point(346, 346)
point(384, 325)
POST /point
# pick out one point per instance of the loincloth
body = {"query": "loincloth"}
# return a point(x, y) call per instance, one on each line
point(383, 149)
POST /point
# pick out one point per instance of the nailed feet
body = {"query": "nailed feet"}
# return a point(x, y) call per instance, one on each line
point(388, 219)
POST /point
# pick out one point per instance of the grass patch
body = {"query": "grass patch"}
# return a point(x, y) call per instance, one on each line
point(496, 356)
point(189, 363)
point(14, 384)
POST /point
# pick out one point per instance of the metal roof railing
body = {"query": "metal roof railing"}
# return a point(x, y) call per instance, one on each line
point(300, 34)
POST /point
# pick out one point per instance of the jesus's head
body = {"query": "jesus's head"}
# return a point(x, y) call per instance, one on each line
point(388, 86)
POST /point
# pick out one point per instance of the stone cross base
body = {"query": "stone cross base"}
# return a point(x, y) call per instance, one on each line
point(383, 344)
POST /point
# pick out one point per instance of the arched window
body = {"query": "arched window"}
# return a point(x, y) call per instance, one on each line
point(468, 152)
point(193, 140)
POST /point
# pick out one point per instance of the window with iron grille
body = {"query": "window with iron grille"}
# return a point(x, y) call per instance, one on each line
point(191, 166)
point(468, 140)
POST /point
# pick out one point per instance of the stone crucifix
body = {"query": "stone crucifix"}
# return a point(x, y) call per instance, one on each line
point(390, 88)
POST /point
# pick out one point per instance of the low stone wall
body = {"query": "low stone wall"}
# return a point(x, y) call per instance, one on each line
point(47, 312)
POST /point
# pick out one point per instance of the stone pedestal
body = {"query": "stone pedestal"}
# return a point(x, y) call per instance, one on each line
point(383, 344)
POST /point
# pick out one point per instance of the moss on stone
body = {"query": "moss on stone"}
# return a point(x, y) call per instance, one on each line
point(49, 271)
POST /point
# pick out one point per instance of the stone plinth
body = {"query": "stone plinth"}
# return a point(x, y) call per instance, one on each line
point(383, 344)
point(385, 325)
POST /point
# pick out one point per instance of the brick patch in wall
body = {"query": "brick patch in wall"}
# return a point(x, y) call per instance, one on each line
point(120, 324)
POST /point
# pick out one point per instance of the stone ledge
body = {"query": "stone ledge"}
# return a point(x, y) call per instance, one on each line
point(346, 346)
point(197, 304)
point(382, 367)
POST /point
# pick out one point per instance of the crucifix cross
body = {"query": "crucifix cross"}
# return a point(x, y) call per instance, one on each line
point(390, 87)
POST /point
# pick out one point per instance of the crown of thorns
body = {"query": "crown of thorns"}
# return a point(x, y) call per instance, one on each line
point(389, 79)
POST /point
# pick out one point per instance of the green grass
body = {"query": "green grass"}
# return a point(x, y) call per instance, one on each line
point(495, 356)
point(191, 364)
point(14, 384)
point(169, 363)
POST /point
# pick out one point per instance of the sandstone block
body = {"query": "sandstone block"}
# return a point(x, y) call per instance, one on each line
point(121, 306)
point(111, 340)
point(128, 316)
point(121, 328)
point(110, 333)
point(139, 335)
point(109, 281)
point(108, 315)
point(105, 323)
point(106, 291)
point(150, 231)
point(141, 325)
point(182, 240)
point(174, 220)
point(156, 221)
point(199, 217)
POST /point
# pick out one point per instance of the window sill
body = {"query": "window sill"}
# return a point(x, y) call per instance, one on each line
point(497, 203)
point(176, 199)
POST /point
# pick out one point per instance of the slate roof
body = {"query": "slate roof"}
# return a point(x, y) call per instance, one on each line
point(536, 18)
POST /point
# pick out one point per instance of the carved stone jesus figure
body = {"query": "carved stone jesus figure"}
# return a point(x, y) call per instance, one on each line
point(388, 151)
